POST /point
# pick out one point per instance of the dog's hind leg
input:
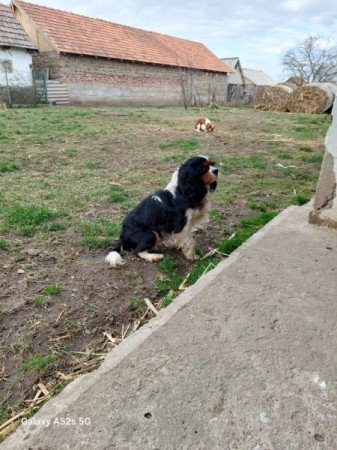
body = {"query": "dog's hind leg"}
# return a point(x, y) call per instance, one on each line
point(152, 257)
point(147, 243)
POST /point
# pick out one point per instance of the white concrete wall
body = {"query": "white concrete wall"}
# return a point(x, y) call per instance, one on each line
point(21, 74)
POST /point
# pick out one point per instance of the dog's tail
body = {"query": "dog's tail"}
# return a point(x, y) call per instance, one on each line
point(114, 258)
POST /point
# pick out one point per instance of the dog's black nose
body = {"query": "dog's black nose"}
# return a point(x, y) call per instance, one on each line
point(215, 171)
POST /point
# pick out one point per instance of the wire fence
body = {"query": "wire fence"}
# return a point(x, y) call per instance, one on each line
point(22, 88)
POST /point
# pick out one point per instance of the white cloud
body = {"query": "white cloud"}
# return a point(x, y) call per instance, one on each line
point(256, 31)
point(297, 5)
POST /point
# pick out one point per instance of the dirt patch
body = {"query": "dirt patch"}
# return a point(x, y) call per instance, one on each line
point(94, 299)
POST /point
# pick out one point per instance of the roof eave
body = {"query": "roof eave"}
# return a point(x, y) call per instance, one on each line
point(19, 47)
point(14, 5)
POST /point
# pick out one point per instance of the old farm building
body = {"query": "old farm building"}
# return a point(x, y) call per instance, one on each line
point(106, 63)
point(243, 84)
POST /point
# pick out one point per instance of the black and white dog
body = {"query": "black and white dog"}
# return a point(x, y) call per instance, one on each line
point(169, 214)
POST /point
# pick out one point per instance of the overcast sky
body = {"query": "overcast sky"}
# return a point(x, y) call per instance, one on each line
point(257, 31)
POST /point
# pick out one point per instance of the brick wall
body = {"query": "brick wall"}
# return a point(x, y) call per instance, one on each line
point(101, 81)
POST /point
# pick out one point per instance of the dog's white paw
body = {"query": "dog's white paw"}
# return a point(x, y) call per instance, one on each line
point(151, 257)
point(157, 257)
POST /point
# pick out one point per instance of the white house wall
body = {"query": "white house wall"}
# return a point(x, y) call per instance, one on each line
point(21, 74)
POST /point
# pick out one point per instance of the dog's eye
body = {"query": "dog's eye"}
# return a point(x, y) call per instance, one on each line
point(212, 163)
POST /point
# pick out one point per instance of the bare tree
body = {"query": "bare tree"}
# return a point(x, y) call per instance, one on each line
point(193, 92)
point(187, 84)
point(313, 59)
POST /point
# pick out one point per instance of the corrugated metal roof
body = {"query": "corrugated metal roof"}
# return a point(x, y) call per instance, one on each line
point(76, 34)
point(230, 62)
point(257, 77)
point(11, 32)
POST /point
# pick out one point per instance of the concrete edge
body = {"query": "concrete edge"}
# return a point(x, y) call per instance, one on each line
point(79, 386)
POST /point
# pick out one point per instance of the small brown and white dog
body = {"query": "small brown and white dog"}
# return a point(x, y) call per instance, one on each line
point(204, 124)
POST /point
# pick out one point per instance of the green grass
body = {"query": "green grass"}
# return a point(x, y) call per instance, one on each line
point(169, 299)
point(185, 145)
point(180, 149)
point(22, 343)
point(71, 152)
point(200, 268)
point(284, 155)
point(255, 206)
point(313, 159)
point(117, 194)
point(309, 119)
point(52, 289)
point(74, 327)
point(214, 215)
point(138, 305)
point(55, 226)
point(245, 230)
point(299, 199)
point(39, 301)
point(308, 131)
point(306, 149)
point(9, 166)
point(168, 288)
point(163, 287)
point(168, 266)
point(49, 137)
point(231, 164)
point(38, 363)
point(4, 415)
point(24, 219)
point(98, 233)
point(4, 244)
point(298, 174)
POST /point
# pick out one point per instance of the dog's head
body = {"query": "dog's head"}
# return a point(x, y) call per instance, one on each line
point(209, 127)
point(196, 177)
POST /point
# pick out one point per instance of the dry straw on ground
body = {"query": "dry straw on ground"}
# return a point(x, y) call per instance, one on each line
point(272, 98)
point(313, 98)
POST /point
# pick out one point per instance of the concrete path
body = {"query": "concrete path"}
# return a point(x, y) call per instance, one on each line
point(245, 359)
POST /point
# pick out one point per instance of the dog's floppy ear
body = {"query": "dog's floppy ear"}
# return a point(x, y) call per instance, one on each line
point(184, 179)
point(191, 185)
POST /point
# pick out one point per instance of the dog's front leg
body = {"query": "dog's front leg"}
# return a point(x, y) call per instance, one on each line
point(185, 242)
point(189, 252)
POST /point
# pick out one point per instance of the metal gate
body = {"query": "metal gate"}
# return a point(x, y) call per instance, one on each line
point(40, 78)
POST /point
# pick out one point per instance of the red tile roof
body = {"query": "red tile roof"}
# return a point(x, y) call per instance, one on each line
point(76, 34)
point(11, 32)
